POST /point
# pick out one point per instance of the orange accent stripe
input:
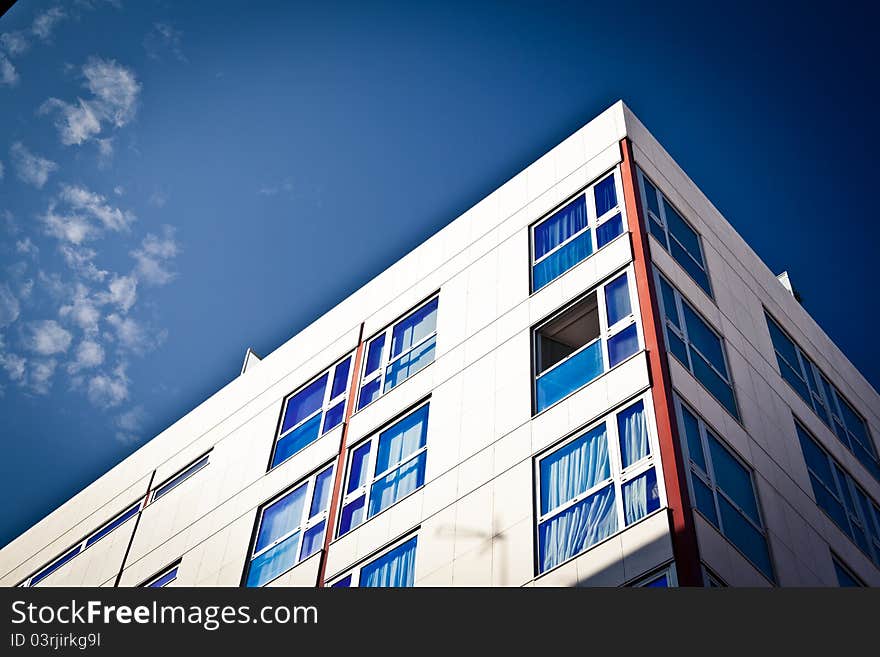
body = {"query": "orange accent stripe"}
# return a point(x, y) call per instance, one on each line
point(340, 461)
point(684, 536)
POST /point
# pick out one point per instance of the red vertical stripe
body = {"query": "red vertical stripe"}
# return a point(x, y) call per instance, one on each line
point(684, 536)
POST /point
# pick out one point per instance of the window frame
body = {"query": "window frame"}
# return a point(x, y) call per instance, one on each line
point(618, 479)
point(663, 224)
point(839, 564)
point(369, 464)
point(385, 360)
point(708, 479)
point(305, 522)
point(185, 473)
point(667, 571)
point(355, 571)
point(170, 569)
point(606, 332)
point(593, 224)
point(682, 334)
point(328, 403)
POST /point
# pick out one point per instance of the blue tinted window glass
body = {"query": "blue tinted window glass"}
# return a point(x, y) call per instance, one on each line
point(567, 377)
point(369, 392)
point(55, 565)
point(683, 233)
point(397, 484)
point(574, 469)
point(374, 355)
point(843, 576)
point(794, 380)
point(352, 515)
point(340, 378)
point(782, 344)
point(109, 527)
point(719, 388)
point(704, 339)
point(321, 494)
point(164, 580)
point(609, 230)
point(855, 424)
point(832, 506)
point(816, 459)
point(677, 347)
point(394, 569)
point(704, 500)
point(669, 307)
point(606, 196)
point(333, 417)
point(748, 539)
point(409, 331)
point(304, 403)
point(578, 527)
point(640, 497)
point(622, 345)
point(691, 429)
point(559, 227)
point(280, 517)
point(179, 479)
point(357, 473)
point(345, 582)
point(404, 367)
point(632, 431)
point(690, 266)
point(559, 262)
point(617, 305)
point(661, 582)
point(651, 197)
point(301, 437)
point(733, 478)
point(313, 540)
point(273, 562)
point(402, 439)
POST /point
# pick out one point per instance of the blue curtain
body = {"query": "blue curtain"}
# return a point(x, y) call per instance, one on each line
point(609, 230)
point(617, 305)
point(640, 497)
point(574, 469)
point(280, 517)
point(559, 227)
point(562, 260)
point(321, 494)
point(633, 433)
point(606, 196)
point(397, 568)
point(577, 528)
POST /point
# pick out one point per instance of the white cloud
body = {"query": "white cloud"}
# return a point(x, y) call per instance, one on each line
point(119, 190)
point(130, 424)
point(53, 284)
point(80, 198)
point(45, 23)
point(159, 199)
point(82, 310)
point(109, 389)
point(164, 38)
point(80, 260)
point(39, 376)
point(1, 171)
point(14, 365)
point(27, 247)
point(153, 255)
point(71, 228)
point(88, 354)
point(8, 74)
point(47, 337)
point(10, 309)
point(25, 289)
point(14, 43)
point(75, 223)
point(31, 168)
point(105, 152)
point(114, 99)
point(121, 292)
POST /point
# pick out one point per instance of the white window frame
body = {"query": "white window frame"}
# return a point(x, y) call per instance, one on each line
point(645, 580)
point(327, 404)
point(605, 333)
point(186, 473)
point(305, 522)
point(370, 463)
point(594, 222)
point(708, 479)
point(385, 360)
point(355, 571)
point(664, 226)
point(620, 476)
point(162, 573)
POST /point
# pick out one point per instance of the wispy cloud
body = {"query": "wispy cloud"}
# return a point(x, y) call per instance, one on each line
point(31, 169)
point(44, 24)
point(164, 39)
point(105, 152)
point(47, 337)
point(78, 215)
point(82, 261)
point(153, 257)
point(95, 205)
point(89, 354)
point(114, 98)
point(8, 74)
point(109, 389)
point(10, 309)
point(14, 43)
point(122, 292)
point(130, 424)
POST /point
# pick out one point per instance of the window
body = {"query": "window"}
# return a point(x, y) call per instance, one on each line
point(722, 489)
point(86, 542)
point(845, 577)
point(399, 352)
point(674, 233)
point(175, 481)
point(571, 234)
point(385, 469)
point(595, 484)
point(584, 340)
point(813, 387)
point(290, 528)
point(163, 579)
point(312, 411)
point(661, 579)
point(395, 568)
point(836, 493)
point(696, 345)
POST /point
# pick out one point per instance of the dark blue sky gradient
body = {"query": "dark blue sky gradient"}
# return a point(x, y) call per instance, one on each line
point(376, 124)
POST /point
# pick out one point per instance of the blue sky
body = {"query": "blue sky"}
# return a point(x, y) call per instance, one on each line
point(181, 182)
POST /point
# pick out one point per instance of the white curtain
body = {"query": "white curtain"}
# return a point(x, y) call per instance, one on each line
point(578, 527)
point(640, 497)
point(633, 434)
point(397, 568)
point(574, 469)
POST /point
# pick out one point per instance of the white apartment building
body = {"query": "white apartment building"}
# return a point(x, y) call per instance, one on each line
point(587, 379)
